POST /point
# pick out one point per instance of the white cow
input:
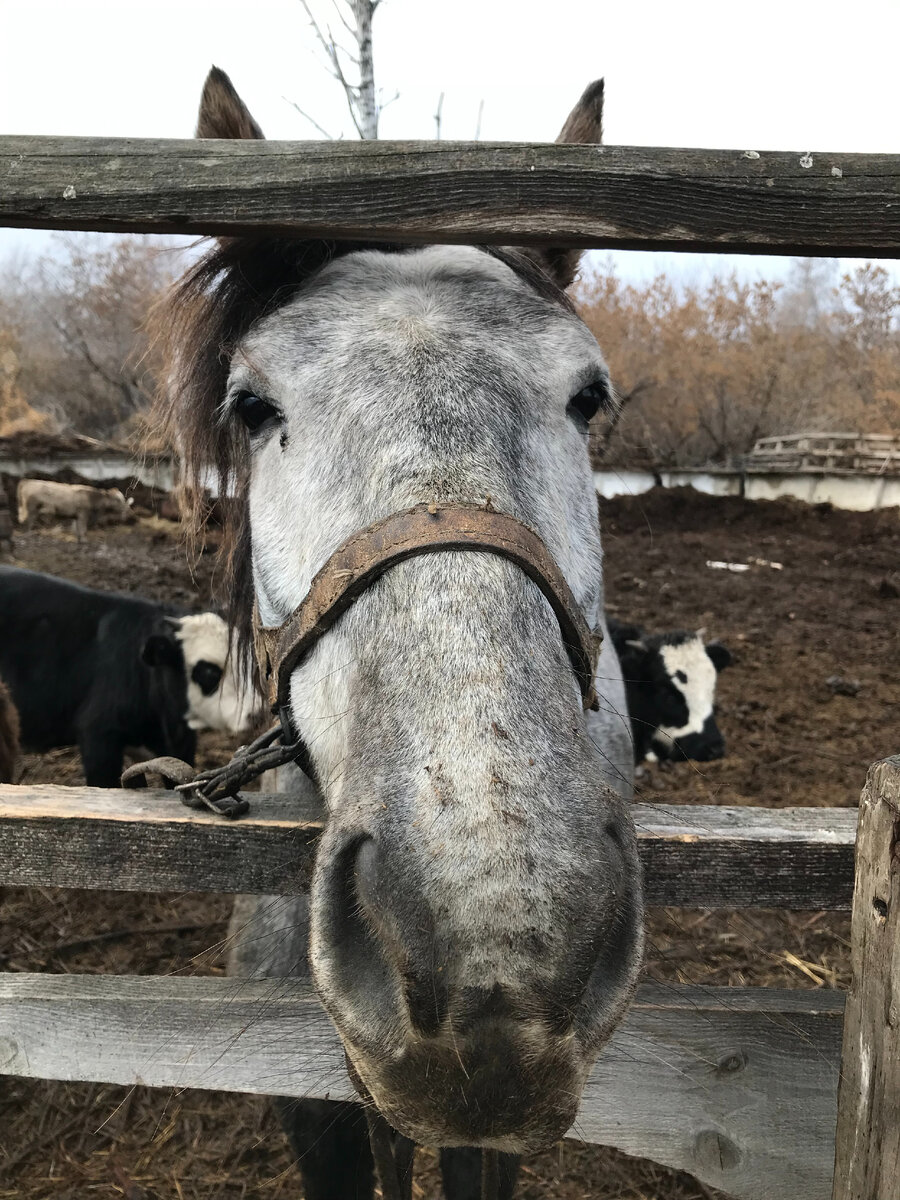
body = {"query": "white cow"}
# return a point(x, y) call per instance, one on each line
point(84, 506)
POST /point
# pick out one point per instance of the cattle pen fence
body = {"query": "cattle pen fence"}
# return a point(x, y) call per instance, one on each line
point(762, 1093)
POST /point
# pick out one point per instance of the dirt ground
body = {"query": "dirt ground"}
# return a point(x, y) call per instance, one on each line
point(830, 610)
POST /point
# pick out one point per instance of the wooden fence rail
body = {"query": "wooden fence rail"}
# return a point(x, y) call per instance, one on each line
point(693, 856)
point(593, 196)
point(736, 1085)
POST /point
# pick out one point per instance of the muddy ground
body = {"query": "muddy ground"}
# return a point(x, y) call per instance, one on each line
point(831, 610)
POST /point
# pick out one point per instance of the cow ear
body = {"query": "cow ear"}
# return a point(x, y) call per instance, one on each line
point(160, 650)
point(223, 114)
point(720, 655)
point(621, 633)
point(584, 126)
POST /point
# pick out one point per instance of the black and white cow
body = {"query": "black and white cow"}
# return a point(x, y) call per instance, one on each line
point(104, 671)
point(219, 696)
point(670, 688)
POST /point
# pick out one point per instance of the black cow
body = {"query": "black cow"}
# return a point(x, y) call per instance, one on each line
point(92, 669)
point(670, 687)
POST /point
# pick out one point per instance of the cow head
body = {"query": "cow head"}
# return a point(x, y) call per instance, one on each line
point(670, 680)
point(219, 695)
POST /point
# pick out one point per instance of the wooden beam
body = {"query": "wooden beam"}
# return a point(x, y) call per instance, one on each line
point(694, 856)
point(148, 841)
point(592, 196)
point(703, 856)
point(736, 1085)
point(867, 1154)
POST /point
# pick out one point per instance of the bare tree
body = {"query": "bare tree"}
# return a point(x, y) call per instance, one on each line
point(73, 320)
point(353, 69)
point(810, 292)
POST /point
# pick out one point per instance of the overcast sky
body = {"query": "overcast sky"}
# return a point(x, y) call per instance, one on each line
point(767, 75)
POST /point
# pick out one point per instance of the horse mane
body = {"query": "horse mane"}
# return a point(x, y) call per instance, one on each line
point(196, 328)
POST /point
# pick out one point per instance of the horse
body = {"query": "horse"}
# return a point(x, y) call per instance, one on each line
point(475, 915)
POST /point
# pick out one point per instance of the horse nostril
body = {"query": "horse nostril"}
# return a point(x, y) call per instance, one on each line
point(405, 930)
point(350, 966)
point(376, 939)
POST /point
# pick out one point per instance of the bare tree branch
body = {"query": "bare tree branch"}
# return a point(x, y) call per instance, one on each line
point(361, 98)
point(315, 26)
point(307, 117)
point(343, 20)
point(352, 96)
point(437, 117)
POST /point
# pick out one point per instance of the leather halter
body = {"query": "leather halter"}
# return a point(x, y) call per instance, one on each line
point(424, 529)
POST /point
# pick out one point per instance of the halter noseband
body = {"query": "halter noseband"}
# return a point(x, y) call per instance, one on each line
point(354, 566)
point(424, 529)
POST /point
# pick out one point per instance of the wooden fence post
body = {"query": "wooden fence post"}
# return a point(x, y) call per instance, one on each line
point(867, 1147)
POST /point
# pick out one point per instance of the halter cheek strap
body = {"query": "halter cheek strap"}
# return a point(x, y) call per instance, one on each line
point(424, 529)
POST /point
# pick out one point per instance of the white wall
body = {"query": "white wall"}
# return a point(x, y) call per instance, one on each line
point(858, 492)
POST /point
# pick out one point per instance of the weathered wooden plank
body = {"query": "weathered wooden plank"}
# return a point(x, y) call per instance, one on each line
point(703, 856)
point(694, 856)
point(736, 1085)
point(148, 841)
point(602, 196)
point(867, 1152)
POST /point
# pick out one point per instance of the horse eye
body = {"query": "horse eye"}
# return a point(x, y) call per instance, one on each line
point(585, 406)
point(254, 412)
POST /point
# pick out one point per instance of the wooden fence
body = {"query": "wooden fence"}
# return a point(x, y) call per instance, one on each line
point(836, 453)
point(737, 1085)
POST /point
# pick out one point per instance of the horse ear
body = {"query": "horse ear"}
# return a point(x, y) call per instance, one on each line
point(223, 114)
point(584, 126)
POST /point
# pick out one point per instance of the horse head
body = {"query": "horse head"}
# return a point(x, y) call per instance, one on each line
point(476, 903)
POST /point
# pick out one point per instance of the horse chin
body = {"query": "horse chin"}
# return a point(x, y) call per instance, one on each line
point(487, 1090)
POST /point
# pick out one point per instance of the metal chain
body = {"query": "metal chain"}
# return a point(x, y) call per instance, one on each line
point(217, 788)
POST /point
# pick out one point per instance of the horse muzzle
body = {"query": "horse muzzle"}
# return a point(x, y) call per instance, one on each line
point(457, 1046)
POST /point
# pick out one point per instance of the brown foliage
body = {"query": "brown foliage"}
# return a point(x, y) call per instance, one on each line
point(73, 320)
point(705, 371)
point(16, 414)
